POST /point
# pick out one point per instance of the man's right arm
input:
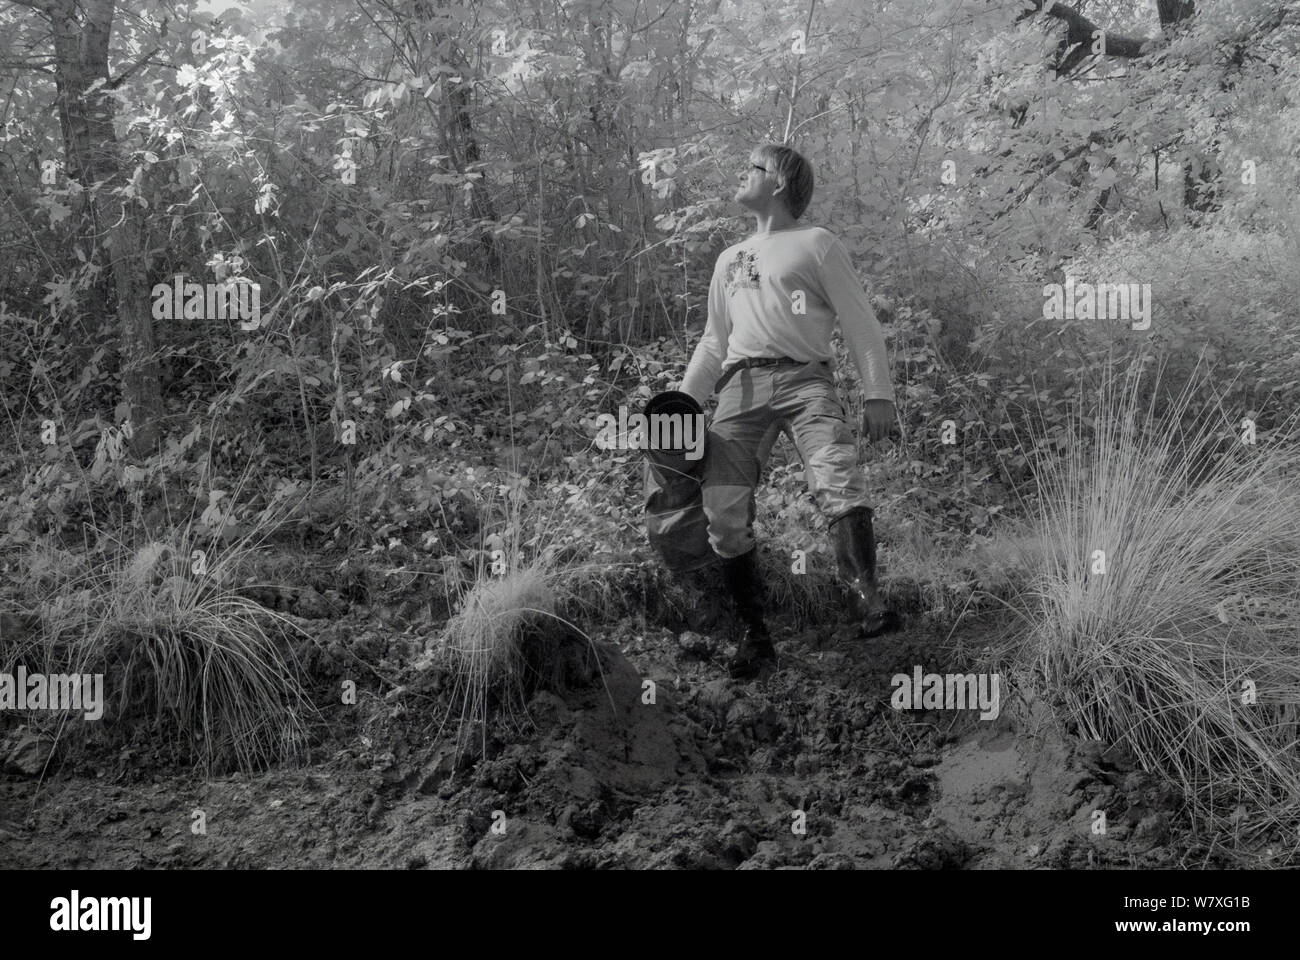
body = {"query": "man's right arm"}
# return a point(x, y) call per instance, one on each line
point(706, 362)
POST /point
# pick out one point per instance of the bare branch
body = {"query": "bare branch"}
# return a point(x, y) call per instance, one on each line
point(798, 69)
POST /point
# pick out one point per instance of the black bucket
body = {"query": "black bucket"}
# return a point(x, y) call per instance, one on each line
point(674, 499)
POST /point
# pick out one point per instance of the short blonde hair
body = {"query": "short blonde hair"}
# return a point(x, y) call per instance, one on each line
point(796, 170)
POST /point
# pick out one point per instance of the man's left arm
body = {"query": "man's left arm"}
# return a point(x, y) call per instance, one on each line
point(845, 294)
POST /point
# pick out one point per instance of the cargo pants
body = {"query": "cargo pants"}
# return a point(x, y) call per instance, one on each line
point(753, 407)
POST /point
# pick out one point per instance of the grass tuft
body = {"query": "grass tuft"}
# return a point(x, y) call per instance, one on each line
point(509, 636)
point(1183, 649)
point(185, 659)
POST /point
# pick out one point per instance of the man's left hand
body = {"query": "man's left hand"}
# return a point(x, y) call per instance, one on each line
point(877, 418)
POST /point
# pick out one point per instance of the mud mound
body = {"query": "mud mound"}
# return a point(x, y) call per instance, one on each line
point(648, 757)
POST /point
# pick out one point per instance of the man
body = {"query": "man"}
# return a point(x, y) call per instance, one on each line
point(773, 302)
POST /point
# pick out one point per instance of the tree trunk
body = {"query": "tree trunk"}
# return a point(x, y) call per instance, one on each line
point(81, 31)
point(1173, 12)
point(1200, 176)
point(459, 134)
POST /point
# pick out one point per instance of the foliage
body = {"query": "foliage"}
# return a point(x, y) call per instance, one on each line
point(476, 226)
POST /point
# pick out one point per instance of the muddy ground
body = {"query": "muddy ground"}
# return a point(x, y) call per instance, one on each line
point(713, 774)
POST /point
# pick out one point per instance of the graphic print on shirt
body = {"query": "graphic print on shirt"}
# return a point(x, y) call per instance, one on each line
point(742, 271)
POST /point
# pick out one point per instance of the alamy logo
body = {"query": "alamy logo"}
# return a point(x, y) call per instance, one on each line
point(71, 914)
point(952, 691)
point(658, 431)
point(1101, 301)
point(55, 691)
point(227, 300)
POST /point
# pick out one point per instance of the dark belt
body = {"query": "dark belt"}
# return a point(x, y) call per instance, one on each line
point(758, 362)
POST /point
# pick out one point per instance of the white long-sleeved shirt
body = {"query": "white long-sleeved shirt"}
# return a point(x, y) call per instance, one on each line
point(754, 304)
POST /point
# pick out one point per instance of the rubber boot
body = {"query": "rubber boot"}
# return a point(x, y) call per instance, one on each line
point(855, 552)
point(745, 586)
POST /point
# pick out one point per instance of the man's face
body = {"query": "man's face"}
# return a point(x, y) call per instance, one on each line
point(758, 181)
